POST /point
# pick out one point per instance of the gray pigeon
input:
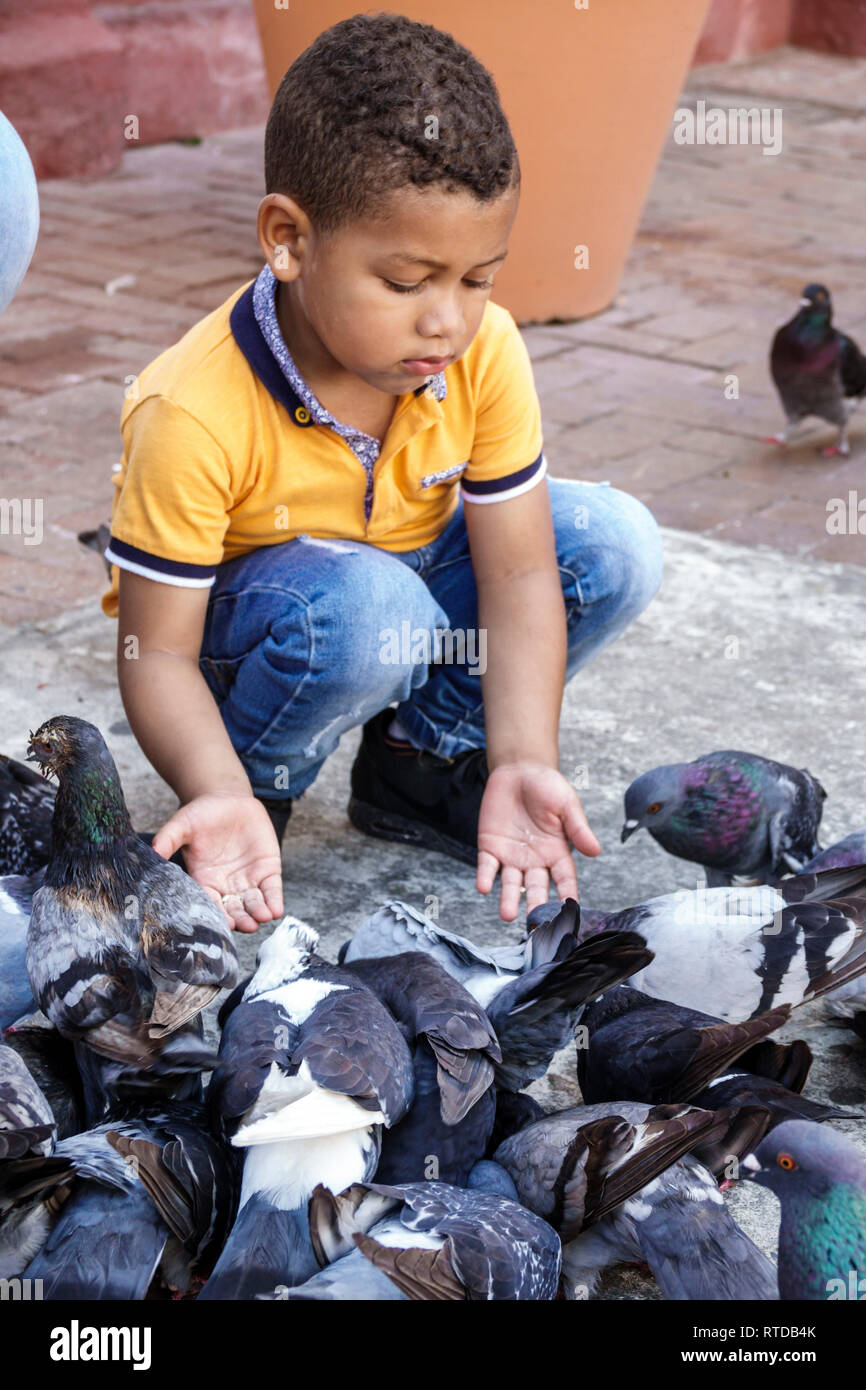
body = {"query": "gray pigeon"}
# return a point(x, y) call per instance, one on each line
point(844, 854)
point(16, 902)
point(649, 1049)
point(26, 1119)
point(736, 814)
point(454, 1051)
point(534, 993)
point(123, 948)
point(428, 1241)
point(608, 1179)
point(737, 952)
point(816, 369)
point(26, 808)
point(143, 1193)
point(311, 1066)
point(641, 1048)
point(819, 1177)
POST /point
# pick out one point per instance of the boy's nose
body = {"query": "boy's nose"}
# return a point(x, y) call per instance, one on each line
point(443, 326)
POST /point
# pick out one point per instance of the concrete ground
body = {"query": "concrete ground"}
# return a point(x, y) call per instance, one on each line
point(755, 644)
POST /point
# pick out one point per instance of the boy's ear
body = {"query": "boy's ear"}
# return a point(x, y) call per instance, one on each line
point(283, 230)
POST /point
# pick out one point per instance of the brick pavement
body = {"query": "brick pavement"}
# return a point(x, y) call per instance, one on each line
point(127, 263)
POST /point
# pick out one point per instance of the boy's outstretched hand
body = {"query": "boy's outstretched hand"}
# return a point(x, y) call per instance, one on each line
point(231, 849)
point(529, 814)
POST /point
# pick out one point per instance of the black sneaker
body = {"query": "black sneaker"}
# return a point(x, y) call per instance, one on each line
point(280, 811)
point(402, 793)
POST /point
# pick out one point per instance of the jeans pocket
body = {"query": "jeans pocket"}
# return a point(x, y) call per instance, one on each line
point(220, 675)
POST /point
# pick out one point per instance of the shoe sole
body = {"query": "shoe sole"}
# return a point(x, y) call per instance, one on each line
point(387, 825)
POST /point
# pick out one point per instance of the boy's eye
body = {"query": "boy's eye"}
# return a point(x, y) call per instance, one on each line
point(413, 289)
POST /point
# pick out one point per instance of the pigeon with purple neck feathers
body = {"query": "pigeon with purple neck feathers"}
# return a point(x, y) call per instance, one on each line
point(736, 814)
point(817, 370)
point(819, 1177)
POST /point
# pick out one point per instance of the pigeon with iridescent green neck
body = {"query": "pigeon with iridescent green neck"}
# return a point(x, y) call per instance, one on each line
point(737, 814)
point(124, 949)
point(819, 1177)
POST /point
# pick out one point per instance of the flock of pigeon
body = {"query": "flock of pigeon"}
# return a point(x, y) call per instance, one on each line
point(366, 1131)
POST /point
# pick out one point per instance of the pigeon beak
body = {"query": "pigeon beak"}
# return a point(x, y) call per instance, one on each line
point(750, 1164)
point(804, 303)
point(628, 829)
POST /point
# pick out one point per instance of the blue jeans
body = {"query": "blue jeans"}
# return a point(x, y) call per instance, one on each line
point(19, 211)
point(309, 638)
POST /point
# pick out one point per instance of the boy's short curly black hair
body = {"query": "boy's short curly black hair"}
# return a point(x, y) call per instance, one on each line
point(351, 120)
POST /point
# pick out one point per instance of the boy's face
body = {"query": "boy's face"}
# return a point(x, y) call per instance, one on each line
point(395, 298)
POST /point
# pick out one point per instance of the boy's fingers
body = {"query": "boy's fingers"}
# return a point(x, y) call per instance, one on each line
point(273, 893)
point(578, 831)
point(169, 838)
point(488, 866)
point(212, 893)
point(564, 877)
point(510, 884)
point(536, 884)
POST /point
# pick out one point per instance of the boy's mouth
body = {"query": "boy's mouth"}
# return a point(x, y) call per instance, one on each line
point(424, 366)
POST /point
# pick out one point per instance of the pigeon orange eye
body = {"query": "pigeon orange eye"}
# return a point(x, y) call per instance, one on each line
point(786, 1161)
point(651, 810)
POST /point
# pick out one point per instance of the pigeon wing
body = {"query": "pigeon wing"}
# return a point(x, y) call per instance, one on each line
point(353, 1046)
point(26, 1119)
point(430, 1003)
point(187, 945)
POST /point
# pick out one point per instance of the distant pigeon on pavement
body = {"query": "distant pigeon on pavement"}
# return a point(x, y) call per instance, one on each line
point(819, 1177)
point(26, 808)
point(607, 1178)
point(736, 814)
point(534, 992)
point(311, 1066)
point(428, 1241)
point(736, 952)
point(640, 1048)
point(817, 370)
point(123, 948)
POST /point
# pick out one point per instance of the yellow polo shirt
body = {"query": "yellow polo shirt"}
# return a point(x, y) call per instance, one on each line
point(221, 456)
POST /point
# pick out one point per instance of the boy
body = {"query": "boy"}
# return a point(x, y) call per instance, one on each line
point(338, 475)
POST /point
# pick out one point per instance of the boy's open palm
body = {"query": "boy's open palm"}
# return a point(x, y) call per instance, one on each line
point(230, 848)
point(529, 818)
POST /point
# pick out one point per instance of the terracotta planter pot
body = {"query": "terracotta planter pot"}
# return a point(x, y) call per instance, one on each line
point(589, 94)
